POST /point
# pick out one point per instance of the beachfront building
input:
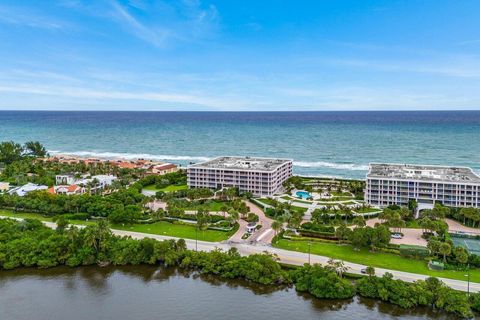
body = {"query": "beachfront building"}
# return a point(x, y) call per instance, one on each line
point(389, 184)
point(161, 169)
point(69, 190)
point(65, 179)
point(260, 176)
point(69, 184)
point(148, 166)
point(27, 188)
point(96, 183)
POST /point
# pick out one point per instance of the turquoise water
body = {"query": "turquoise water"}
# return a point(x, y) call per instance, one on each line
point(303, 194)
point(321, 143)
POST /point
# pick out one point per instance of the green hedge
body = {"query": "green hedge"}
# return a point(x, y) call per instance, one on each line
point(318, 227)
point(414, 251)
point(317, 234)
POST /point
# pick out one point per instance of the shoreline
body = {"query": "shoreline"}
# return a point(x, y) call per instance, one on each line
point(287, 257)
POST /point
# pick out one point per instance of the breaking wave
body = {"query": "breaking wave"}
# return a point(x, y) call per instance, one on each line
point(159, 157)
point(129, 156)
point(332, 165)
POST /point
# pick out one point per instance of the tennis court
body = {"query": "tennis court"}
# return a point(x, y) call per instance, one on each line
point(472, 245)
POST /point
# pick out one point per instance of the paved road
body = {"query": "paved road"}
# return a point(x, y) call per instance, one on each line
point(285, 256)
point(266, 233)
point(456, 226)
point(298, 258)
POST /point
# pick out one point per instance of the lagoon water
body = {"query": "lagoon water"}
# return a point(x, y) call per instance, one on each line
point(321, 143)
point(148, 292)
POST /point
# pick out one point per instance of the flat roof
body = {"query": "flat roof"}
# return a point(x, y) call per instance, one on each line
point(242, 163)
point(422, 172)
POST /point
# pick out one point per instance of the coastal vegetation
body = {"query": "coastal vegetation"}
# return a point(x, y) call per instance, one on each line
point(378, 259)
point(30, 244)
point(124, 208)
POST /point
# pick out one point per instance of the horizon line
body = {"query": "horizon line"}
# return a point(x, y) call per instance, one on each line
point(240, 111)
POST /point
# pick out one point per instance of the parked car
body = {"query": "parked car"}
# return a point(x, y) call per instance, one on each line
point(397, 236)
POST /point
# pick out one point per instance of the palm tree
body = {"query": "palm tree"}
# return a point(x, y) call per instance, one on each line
point(445, 250)
point(224, 209)
point(277, 226)
point(338, 266)
point(35, 148)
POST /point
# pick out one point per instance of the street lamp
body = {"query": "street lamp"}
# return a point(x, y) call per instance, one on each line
point(468, 279)
point(309, 245)
point(196, 238)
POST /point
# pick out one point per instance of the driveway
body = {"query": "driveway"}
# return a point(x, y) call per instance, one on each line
point(455, 226)
point(410, 236)
point(266, 233)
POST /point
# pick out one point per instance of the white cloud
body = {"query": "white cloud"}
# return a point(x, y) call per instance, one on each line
point(187, 22)
point(27, 17)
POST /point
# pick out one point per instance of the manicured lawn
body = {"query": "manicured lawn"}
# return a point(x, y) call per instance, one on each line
point(214, 205)
point(299, 209)
point(170, 188)
point(175, 230)
point(367, 210)
point(210, 205)
point(379, 260)
point(24, 215)
point(302, 201)
point(341, 194)
point(267, 201)
point(38, 216)
point(160, 228)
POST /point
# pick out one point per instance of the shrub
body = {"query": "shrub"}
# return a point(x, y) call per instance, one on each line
point(318, 227)
point(317, 234)
point(414, 251)
point(322, 283)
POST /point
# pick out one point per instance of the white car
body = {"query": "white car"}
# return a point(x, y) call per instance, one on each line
point(396, 236)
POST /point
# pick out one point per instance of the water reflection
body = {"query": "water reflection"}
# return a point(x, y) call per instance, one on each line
point(145, 291)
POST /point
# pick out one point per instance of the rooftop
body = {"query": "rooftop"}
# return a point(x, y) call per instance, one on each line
point(422, 172)
point(242, 163)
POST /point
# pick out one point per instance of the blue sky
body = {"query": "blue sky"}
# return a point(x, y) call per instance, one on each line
point(240, 55)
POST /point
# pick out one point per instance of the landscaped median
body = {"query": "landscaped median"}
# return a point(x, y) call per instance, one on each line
point(347, 252)
point(164, 228)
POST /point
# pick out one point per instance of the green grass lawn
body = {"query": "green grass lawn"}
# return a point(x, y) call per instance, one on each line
point(267, 201)
point(170, 188)
point(367, 210)
point(176, 230)
point(341, 194)
point(160, 228)
point(374, 259)
point(302, 201)
point(214, 205)
point(24, 215)
point(299, 209)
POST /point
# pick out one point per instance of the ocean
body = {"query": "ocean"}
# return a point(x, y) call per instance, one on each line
point(339, 144)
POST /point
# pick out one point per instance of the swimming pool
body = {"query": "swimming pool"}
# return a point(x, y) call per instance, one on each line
point(303, 194)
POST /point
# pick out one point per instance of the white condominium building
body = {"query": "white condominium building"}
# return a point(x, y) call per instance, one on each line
point(399, 183)
point(260, 176)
